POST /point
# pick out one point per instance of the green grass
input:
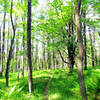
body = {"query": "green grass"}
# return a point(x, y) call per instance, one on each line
point(63, 85)
point(20, 88)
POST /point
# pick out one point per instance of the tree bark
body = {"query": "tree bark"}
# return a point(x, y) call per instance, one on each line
point(11, 48)
point(23, 19)
point(54, 58)
point(18, 69)
point(8, 42)
point(71, 48)
point(30, 82)
point(80, 58)
point(85, 44)
point(95, 50)
point(3, 45)
point(80, 52)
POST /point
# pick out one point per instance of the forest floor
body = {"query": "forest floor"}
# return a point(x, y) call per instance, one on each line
point(54, 84)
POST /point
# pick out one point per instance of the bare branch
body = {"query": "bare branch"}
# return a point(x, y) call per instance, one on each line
point(62, 57)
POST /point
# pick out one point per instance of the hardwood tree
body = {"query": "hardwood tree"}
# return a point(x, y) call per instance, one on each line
point(80, 52)
point(30, 81)
point(11, 47)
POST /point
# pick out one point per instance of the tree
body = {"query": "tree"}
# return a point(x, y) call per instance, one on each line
point(80, 52)
point(30, 82)
point(11, 47)
point(92, 49)
point(85, 43)
point(3, 45)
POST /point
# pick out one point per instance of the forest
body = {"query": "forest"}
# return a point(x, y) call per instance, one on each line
point(49, 49)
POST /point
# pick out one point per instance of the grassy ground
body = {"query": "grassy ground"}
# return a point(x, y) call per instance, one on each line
point(63, 86)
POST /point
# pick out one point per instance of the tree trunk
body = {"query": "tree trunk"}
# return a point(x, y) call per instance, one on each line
point(23, 47)
point(36, 56)
point(44, 58)
point(80, 52)
point(18, 69)
point(85, 45)
point(71, 48)
point(95, 50)
point(8, 42)
point(11, 48)
point(54, 58)
point(92, 50)
point(48, 55)
point(30, 82)
point(3, 45)
point(23, 58)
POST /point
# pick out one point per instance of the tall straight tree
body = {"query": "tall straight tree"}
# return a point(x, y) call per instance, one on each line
point(85, 42)
point(80, 52)
point(92, 49)
point(11, 47)
point(30, 83)
point(23, 41)
point(94, 46)
point(3, 45)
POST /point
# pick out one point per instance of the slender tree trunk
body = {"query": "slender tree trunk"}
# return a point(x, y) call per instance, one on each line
point(54, 58)
point(30, 82)
point(11, 48)
point(41, 64)
point(36, 56)
point(92, 50)
point(48, 56)
point(80, 58)
point(43, 61)
point(8, 38)
point(96, 59)
point(16, 61)
point(23, 58)
point(80, 52)
point(85, 45)
point(95, 50)
point(3, 45)
point(62, 63)
point(18, 69)
point(23, 47)
point(49, 60)
point(23, 41)
point(71, 48)
point(17, 49)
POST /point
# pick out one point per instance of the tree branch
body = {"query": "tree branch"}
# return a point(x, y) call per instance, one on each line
point(62, 57)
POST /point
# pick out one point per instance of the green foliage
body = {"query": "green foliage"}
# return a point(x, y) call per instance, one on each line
point(34, 2)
